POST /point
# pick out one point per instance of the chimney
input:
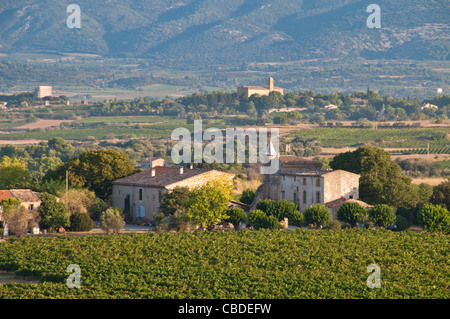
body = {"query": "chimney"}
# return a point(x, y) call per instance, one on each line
point(181, 170)
point(153, 172)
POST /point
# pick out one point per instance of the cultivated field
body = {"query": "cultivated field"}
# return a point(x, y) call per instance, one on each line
point(233, 264)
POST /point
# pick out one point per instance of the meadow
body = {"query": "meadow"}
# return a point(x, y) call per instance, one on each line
point(233, 264)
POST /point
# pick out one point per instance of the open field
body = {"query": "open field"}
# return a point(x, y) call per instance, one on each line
point(234, 264)
point(41, 123)
point(430, 181)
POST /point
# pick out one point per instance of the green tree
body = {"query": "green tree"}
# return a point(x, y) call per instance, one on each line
point(382, 215)
point(174, 202)
point(247, 196)
point(236, 216)
point(208, 203)
point(112, 220)
point(281, 209)
point(434, 218)
point(381, 181)
point(317, 215)
point(14, 173)
point(81, 222)
point(441, 194)
point(351, 213)
point(52, 212)
point(96, 170)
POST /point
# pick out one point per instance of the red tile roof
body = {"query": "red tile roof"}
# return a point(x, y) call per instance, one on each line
point(5, 194)
point(25, 195)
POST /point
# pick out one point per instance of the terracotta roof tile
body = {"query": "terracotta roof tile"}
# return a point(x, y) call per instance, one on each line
point(5, 194)
point(25, 195)
point(164, 176)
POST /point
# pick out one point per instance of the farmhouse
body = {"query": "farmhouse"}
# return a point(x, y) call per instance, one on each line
point(139, 195)
point(305, 183)
point(261, 90)
point(27, 197)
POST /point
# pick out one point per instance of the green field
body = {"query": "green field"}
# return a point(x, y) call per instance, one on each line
point(385, 137)
point(233, 264)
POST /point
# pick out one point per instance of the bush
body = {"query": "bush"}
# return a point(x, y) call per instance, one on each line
point(434, 218)
point(281, 209)
point(258, 219)
point(351, 213)
point(247, 196)
point(410, 214)
point(236, 216)
point(334, 225)
point(317, 215)
point(112, 219)
point(402, 223)
point(382, 215)
point(81, 222)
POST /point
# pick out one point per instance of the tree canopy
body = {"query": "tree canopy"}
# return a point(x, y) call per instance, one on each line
point(381, 181)
point(95, 169)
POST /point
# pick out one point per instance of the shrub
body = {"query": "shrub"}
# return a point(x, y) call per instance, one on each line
point(81, 222)
point(410, 214)
point(236, 216)
point(53, 213)
point(434, 218)
point(402, 223)
point(247, 196)
point(317, 215)
point(258, 219)
point(334, 225)
point(112, 219)
point(351, 213)
point(382, 215)
point(281, 209)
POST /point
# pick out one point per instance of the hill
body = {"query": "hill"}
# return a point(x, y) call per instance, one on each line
point(196, 32)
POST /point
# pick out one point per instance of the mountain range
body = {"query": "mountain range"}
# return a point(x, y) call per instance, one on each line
point(232, 32)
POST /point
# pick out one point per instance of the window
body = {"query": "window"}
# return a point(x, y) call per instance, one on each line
point(304, 197)
point(283, 193)
point(140, 193)
point(304, 180)
point(295, 198)
point(159, 196)
point(317, 197)
point(31, 207)
point(318, 182)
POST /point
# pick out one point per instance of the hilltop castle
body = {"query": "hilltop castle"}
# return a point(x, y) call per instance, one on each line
point(261, 90)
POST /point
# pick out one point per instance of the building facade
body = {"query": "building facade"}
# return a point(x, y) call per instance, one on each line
point(304, 183)
point(27, 198)
point(43, 91)
point(140, 195)
point(261, 90)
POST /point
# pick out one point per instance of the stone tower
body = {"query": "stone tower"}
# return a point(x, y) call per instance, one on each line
point(270, 83)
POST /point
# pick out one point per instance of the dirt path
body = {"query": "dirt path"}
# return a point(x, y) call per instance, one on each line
point(20, 142)
point(10, 277)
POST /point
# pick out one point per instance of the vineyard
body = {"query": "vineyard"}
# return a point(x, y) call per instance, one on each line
point(431, 150)
point(234, 264)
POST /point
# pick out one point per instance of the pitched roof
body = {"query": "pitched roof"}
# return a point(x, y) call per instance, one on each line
point(22, 195)
point(164, 176)
point(25, 195)
point(5, 194)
